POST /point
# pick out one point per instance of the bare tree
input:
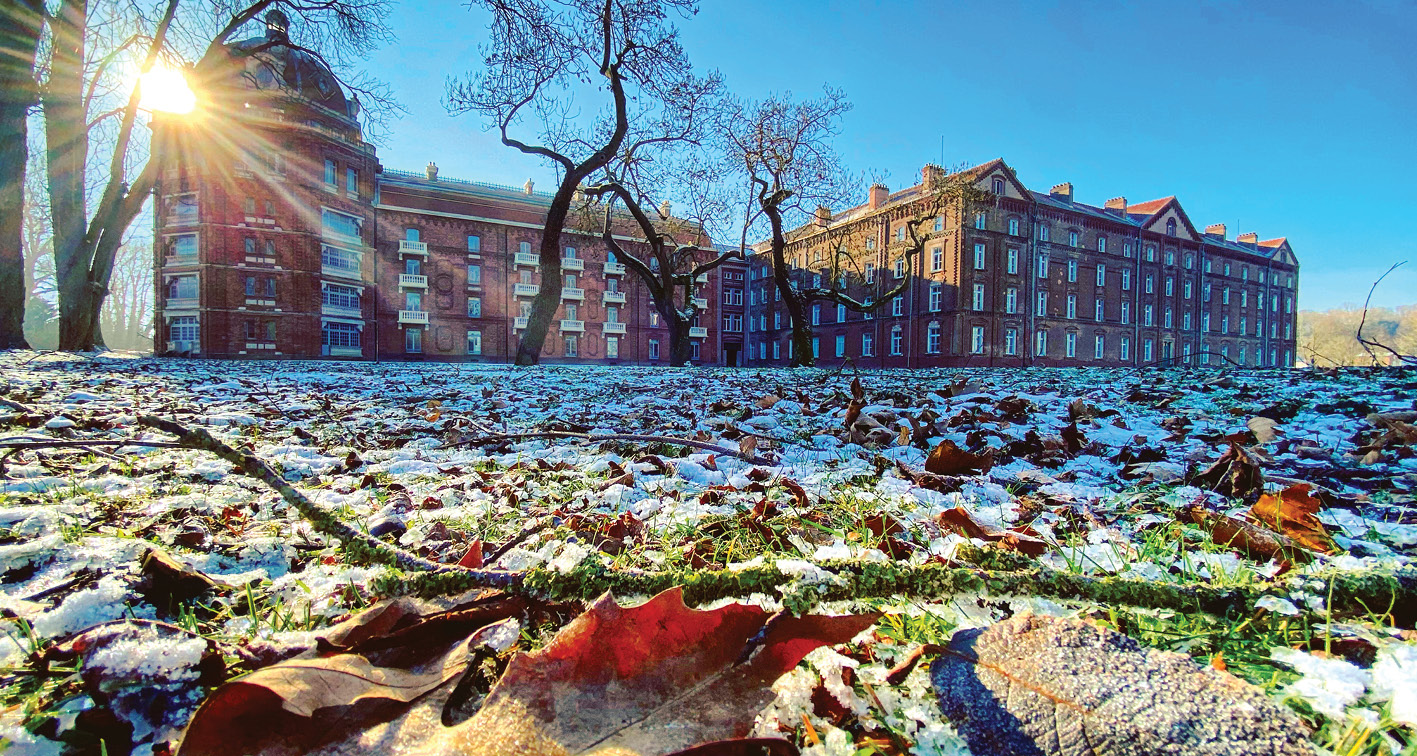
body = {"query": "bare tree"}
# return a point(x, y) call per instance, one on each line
point(21, 24)
point(679, 249)
point(541, 55)
point(128, 310)
point(83, 92)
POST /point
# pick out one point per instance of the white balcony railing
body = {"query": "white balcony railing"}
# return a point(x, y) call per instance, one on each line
point(411, 281)
point(180, 260)
point(615, 297)
point(525, 290)
point(703, 278)
point(698, 333)
point(614, 327)
point(614, 269)
point(346, 351)
point(342, 240)
point(572, 292)
point(416, 317)
point(572, 263)
point(341, 272)
point(527, 258)
point(181, 303)
point(700, 303)
point(341, 312)
point(520, 322)
point(410, 247)
point(572, 326)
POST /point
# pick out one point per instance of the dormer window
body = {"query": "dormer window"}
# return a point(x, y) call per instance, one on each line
point(1171, 227)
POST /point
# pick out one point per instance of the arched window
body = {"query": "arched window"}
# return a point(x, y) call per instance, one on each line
point(998, 185)
point(1171, 227)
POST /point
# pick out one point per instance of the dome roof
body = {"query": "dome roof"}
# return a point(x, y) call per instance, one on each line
point(273, 64)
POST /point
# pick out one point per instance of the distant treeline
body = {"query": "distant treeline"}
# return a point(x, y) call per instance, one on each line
point(1330, 337)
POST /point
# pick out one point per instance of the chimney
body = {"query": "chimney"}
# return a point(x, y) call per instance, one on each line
point(1250, 238)
point(432, 171)
point(277, 26)
point(1063, 191)
point(931, 175)
point(876, 195)
point(1116, 203)
point(823, 215)
point(528, 186)
point(1215, 229)
point(666, 210)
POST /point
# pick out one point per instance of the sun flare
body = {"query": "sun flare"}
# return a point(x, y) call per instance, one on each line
point(165, 90)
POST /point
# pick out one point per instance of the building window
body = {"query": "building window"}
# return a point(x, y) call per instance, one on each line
point(346, 297)
point(1126, 312)
point(1189, 260)
point(1013, 261)
point(1185, 321)
point(1072, 306)
point(329, 174)
point(654, 349)
point(1040, 344)
point(937, 259)
point(900, 232)
point(1170, 257)
point(1126, 249)
point(1013, 227)
point(695, 351)
point(776, 350)
point(978, 297)
point(1146, 350)
point(980, 221)
point(816, 347)
point(182, 287)
point(1186, 289)
point(1170, 226)
point(1166, 318)
point(1011, 300)
point(840, 313)
point(1151, 253)
point(1011, 341)
point(868, 344)
point(900, 267)
point(1070, 344)
point(1042, 232)
point(898, 306)
point(976, 338)
point(1043, 266)
point(249, 206)
point(1072, 271)
point(870, 273)
point(1225, 295)
point(524, 248)
point(474, 342)
point(937, 296)
point(1099, 346)
point(570, 350)
point(569, 254)
point(897, 339)
point(1041, 306)
point(1098, 310)
point(1072, 238)
point(1126, 280)
point(1101, 274)
point(474, 243)
point(184, 329)
point(474, 307)
point(816, 314)
point(183, 247)
point(776, 320)
point(413, 341)
point(841, 345)
point(474, 275)
point(351, 180)
point(1126, 352)
point(1205, 322)
point(978, 257)
point(939, 223)
point(1146, 315)
point(612, 347)
point(998, 185)
point(762, 350)
point(335, 334)
point(1102, 244)
point(413, 266)
point(1150, 284)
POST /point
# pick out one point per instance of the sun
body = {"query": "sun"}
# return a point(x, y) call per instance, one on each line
point(164, 89)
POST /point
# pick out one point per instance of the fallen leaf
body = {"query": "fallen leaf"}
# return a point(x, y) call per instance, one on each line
point(167, 582)
point(1293, 512)
point(1254, 541)
point(959, 521)
point(1263, 428)
point(768, 401)
point(649, 680)
point(748, 446)
point(949, 459)
point(1047, 685)
point(472, 558)
point(1235, 474)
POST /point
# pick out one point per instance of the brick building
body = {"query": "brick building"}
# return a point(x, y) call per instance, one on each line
point(1033, 278)
point(279, 235)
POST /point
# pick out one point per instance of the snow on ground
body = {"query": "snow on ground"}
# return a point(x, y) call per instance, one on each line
point(415, 453)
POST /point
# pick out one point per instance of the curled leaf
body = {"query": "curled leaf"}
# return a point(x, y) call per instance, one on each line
point(949, 459)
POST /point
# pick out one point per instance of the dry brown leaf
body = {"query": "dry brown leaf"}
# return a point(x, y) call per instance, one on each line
point(1255, 542)
point(1050, 686)
point(1263, 428)
point(768, 401)
point(748, 445)
point(1235, 474)
point(649, 680)
point(959, 521)
point(1293, 512)
point(949, 459)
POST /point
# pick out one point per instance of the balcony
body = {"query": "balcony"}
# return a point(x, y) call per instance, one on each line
point(410, 247)
point(614, 327)
point(520, 322)
point(341, 312)
point(698, 333)
point(700, 303)
point(341, 240)
point(413, 317)
point(346, 351)
point(525, 290)
point(572, 292)
point(615, 297)
point(702, 278)
point(181, 303)
point(175, 260)
point(614, 269)
point(341, 271)
point(411, 281)
point(572, 263)
point(572, 326)
point(527, 258)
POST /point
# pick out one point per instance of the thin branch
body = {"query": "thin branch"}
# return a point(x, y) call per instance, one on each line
point(704, 445)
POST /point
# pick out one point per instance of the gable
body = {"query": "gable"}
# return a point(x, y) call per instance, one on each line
point(1285, 256)
point(997, 168)
point(1184, 229)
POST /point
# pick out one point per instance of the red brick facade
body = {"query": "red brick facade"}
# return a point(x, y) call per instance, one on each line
point(1116, 285)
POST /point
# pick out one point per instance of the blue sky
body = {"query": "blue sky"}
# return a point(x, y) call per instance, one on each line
point(1289, 119)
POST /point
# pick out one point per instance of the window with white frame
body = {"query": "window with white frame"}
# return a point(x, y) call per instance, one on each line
point(1011, 300)
point(897, 339)
point(182, 287)
point(1070, 344)
point(870, 273)
point(1170, 257)
point(1146, 315)
point(900, 267)
point(978, 297)
point(998, 184)
point(937, 259)
point(932, 337)
point(572, 347)
point(1126, 312)
point(868, 344)
point(937, 296)
point(1102, 244)
point(654, 349)
point(976, 340)
point(980, 221)
point(1101, 274)
point(1146, 350)
point(1099, 346)
point(1097, 309)
point(1151, 253)
point(1186, 290)
point(816, 314)
point(1185, 321)
point(1150, 284)
point(1040, 344)
point(868, 313)
point(330, 174)
point(1011, 341)
point(334, 295)
point(979, 254)
point(1072, 306)
point(1042, 232)
point(777, 320)
point(1072, 238)
point(1013, 227)
point(474, 342)
point(1041, 306)
point(183, 247)
point(841, 345)
point(1072, 271)
point(898, 306)
point(185, 328)
point(1166, 318)
point(1043, 266)
point(1013, 261)
point(336, 334)
point(1225, 295)
point(612, 347)
point(939, 223)
point(474, 307)
point(841, 313)
point(413, 341)
point(1126, 348)
point(1170, 286)
point(474, 275)
point(1225, 324)
point(816, 347)
point(1126, 279)
point(776, 350)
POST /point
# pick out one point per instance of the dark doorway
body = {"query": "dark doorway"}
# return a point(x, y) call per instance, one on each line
point(730, 354)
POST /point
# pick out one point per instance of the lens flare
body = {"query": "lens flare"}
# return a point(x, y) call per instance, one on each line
point(165, 90)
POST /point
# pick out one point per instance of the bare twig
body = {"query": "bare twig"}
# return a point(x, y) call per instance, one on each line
point(750, 458)
point(1368, 344)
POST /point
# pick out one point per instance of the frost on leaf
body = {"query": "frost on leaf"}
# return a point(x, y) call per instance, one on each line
point(1042, 686)
point(651, 679)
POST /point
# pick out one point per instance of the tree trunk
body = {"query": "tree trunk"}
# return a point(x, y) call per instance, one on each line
point(680, 348)
point(548, 297)
point(19, 44)
point(67, 147)
point(796, 311)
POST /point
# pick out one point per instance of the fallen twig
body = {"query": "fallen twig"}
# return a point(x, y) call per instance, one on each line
point(704, 445)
